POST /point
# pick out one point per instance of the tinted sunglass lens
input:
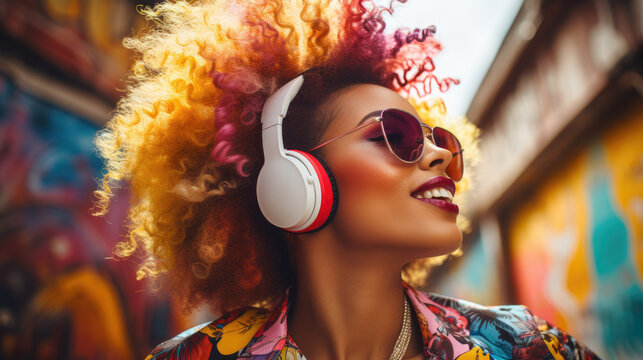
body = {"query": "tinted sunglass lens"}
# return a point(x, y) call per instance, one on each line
point(404, 134)
point(448, 141)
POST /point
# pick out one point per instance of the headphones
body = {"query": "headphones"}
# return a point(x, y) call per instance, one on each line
point(295, 190)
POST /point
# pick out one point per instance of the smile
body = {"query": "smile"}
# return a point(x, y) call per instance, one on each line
point(438, 192)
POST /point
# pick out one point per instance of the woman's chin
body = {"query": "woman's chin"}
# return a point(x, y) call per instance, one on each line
point(446, 243)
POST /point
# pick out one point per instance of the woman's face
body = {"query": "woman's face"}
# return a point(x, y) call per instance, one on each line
point(378, 207)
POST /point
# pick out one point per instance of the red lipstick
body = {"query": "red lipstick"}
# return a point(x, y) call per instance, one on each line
point(438, 192)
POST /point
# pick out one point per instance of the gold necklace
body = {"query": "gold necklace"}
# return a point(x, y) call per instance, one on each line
point(402, 342)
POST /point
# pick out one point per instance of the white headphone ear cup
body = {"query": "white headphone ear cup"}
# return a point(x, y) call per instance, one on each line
point(286, 192)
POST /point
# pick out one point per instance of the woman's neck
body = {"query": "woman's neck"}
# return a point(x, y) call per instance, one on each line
point(348, 302)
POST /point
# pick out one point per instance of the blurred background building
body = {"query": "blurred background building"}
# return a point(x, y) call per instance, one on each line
point(61, 297)
point(557, 208)
point(556, 212)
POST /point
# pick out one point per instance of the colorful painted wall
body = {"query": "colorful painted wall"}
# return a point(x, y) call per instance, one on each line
point(60, 298)
point(576, 245)
point(83, 38)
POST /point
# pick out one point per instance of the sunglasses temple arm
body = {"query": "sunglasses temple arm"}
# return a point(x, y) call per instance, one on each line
point(363, 125)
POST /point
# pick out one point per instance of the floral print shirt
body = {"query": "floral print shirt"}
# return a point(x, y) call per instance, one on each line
point(451, 329)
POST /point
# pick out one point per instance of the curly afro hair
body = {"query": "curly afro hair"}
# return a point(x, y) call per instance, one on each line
point(186, 136)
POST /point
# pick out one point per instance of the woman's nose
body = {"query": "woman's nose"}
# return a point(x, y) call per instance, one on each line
point(435, 158)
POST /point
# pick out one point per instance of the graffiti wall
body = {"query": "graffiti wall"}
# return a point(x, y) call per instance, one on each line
point(577, 243)
point(62, 298)
point(81, 37)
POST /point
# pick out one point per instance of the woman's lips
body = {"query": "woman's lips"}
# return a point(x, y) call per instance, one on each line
point(438, 201)
point(438, 181)
point(442, 204)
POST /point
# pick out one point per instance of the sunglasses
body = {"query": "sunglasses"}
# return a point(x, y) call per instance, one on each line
point(404, 135)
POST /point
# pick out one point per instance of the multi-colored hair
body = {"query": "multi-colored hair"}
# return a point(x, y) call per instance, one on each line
point(187, 135)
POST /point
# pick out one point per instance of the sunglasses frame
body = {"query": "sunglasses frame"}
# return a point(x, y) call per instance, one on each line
point(379, 118)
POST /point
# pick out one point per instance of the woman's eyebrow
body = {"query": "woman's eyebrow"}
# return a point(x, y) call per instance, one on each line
point(370, 115)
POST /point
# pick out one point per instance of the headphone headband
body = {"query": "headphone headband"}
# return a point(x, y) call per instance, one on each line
point(273, 114)
point(276, 106)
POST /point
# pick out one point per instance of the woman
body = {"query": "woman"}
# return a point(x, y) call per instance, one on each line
point(280, 174)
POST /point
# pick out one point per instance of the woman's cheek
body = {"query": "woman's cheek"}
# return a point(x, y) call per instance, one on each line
point(367, 183)
point(363, 170)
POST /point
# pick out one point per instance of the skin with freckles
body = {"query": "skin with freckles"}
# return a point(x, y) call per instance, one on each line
point(349, 297)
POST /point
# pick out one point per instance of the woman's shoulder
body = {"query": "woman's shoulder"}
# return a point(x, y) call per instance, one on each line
point(474, 313)
point(477, 313)
point(223, 336)
point(506, 331)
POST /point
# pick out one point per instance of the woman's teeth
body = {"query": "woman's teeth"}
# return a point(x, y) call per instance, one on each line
point(435, 193)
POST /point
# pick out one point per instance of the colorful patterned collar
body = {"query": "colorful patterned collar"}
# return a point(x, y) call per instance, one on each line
point(438, 324)
point(451, 329)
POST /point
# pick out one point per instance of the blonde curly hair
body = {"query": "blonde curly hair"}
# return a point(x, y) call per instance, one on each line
point(186, 136)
